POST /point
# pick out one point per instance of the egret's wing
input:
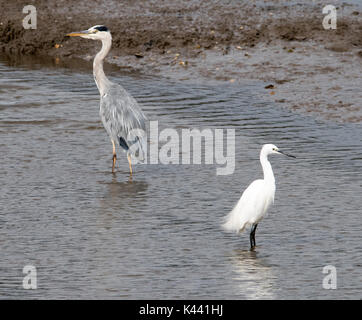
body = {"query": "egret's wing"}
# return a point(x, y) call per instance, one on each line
point(246, 208)
point(124, 120)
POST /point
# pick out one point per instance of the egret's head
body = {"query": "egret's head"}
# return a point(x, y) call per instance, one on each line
point(98, 32)
point(272, 149)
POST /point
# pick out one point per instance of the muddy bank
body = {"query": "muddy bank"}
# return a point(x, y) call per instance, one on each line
point(281, 43)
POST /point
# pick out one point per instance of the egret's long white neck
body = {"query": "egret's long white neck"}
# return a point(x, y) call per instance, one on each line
point(267, 168)
point(99, 76)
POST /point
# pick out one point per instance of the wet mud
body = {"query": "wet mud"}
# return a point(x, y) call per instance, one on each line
point(281, 44)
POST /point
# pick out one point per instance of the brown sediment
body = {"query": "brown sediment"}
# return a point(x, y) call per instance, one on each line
point(281, 43)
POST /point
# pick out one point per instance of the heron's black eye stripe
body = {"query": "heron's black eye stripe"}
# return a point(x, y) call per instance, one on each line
point(102, 28)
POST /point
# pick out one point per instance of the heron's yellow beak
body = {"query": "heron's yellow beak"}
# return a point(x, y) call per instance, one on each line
point(78, 33)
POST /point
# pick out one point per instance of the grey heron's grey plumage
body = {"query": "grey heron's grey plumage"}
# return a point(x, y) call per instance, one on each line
point(121, 115)
point(123, 119)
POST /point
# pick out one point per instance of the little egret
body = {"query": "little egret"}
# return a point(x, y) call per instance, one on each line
point(121, 115)
point(256, 199)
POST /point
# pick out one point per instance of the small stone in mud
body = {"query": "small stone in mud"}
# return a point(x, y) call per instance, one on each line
point(139, 56)
point(148, 45)
point(226, 50)
point(269, 86)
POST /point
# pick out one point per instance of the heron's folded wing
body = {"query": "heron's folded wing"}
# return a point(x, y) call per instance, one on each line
point(124, 120)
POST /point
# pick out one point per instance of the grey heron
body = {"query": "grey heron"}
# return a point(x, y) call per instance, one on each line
point(256, 199)
point(121, 115)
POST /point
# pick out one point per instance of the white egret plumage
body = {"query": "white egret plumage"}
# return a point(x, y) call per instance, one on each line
point(256, 199)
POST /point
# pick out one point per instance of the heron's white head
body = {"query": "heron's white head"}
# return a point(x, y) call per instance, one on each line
point(98, 32)
point(273, 149)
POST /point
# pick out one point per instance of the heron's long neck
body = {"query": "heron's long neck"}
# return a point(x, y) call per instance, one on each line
point(267, 168)
point(99, 76)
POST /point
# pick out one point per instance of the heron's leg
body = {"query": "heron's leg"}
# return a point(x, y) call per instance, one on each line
point(252, 237)
point(130, 164)
point(114, 156)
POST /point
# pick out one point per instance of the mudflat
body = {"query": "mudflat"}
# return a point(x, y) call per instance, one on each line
point(282, 44)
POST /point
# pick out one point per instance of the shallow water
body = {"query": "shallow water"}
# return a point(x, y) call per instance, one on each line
point(91, 234)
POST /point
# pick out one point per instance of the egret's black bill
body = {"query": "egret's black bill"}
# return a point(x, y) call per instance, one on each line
point(286, 154)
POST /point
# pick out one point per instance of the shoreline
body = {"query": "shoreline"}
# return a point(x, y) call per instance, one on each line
point(304, 67)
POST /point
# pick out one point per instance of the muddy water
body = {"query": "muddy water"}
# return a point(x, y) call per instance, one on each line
point(91, 234)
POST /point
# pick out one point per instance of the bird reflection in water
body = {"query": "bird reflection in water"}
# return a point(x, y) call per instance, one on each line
point(119, 193)
point(254, 278)
point(122, 200)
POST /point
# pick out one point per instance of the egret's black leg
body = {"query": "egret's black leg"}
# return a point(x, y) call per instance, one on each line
point(114, 156)
point(251, 241)
point(252, 237)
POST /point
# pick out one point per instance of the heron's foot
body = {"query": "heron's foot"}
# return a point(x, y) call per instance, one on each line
point(130, 165)
point(114, 162)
